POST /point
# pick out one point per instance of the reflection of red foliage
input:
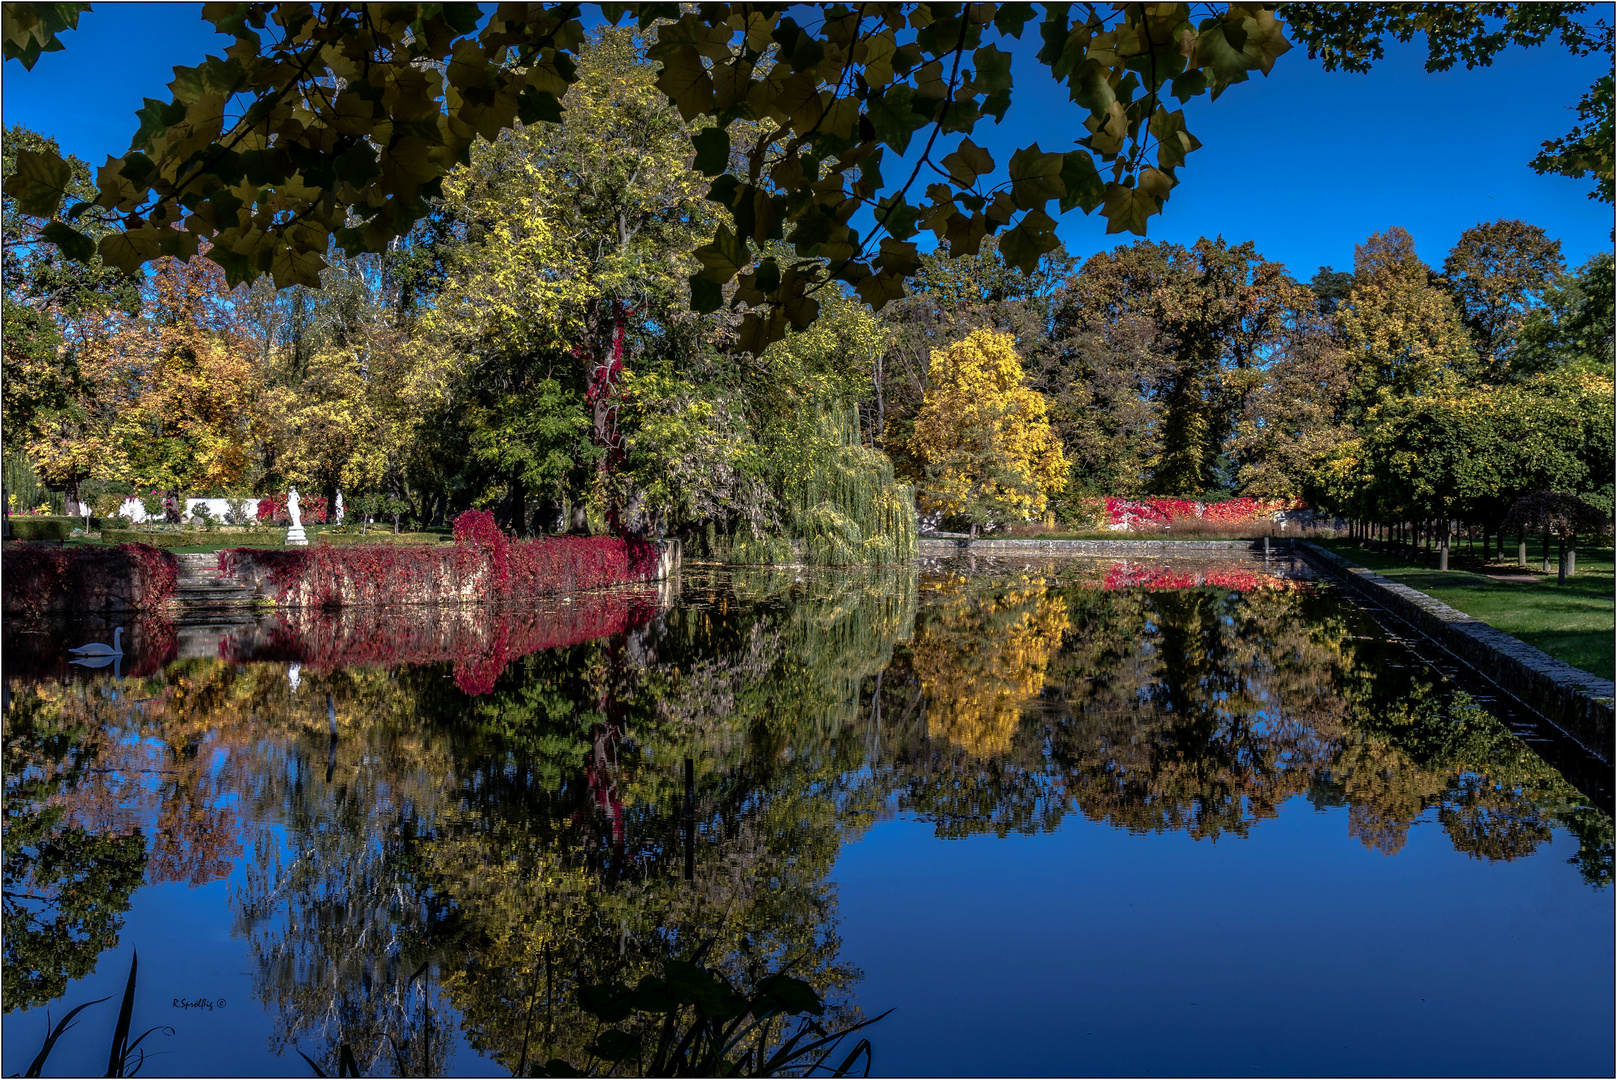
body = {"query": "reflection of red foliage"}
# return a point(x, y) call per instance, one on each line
point(479, 641)
point(1124, 576)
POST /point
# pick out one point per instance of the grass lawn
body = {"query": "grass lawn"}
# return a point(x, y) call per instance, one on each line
point(1574, 622)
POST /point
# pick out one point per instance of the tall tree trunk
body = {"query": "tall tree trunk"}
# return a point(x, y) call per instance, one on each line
point(1560, 569)
point(1572, 553)
point(1521, 547)
point(1444, 538)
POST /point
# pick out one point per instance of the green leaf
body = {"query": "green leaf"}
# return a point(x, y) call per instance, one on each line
point(724, 257)
point(1082, 182)
point(1033, 236)
point(1173, 141)
point(900, 221)
point(535, 106)
point(31, 29)
point(615, 1045)
point(40, 182)
point(686, 82)
point(993, 69)
point(893, 118)
point(1190, 84)
point(129, 250)
point(609, 1002)
point(712, 150)
point(1035, 177)
point(706, 297)
point(968, 162)
point(1010, 18)
point(792, 996)
point(898, 259)
point(1128, 208)
point(74, 244)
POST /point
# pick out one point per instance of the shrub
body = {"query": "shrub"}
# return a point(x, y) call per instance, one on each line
point(329, 537)
point(240, 511)
point(32, 527)
point(178, 538)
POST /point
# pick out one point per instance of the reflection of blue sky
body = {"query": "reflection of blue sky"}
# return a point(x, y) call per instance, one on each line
point(1293, 951)
point(1304, 163)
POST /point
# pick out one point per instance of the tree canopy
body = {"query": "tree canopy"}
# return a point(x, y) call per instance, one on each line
point(336, 124)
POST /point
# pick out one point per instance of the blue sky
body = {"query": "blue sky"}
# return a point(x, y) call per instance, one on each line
point(1304, 163)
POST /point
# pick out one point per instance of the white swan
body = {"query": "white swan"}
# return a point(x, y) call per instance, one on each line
point(95, 648)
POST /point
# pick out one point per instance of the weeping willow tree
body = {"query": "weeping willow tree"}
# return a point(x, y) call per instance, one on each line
point(837, 499)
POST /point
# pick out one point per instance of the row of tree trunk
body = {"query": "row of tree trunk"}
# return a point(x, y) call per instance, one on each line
point(1430, 540)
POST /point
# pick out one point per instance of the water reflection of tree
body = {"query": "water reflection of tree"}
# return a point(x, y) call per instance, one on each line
point(66, 886)
point(482, 857)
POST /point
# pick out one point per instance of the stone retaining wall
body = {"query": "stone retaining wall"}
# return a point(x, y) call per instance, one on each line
point(1579, 703)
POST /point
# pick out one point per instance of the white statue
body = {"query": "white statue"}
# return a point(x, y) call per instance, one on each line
point(294, 676)
point(295, 535)
point(339, 508)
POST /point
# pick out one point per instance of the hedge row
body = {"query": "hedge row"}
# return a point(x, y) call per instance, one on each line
point(199, 538)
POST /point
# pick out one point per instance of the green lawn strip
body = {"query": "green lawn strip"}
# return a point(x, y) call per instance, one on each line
point(1573, 622)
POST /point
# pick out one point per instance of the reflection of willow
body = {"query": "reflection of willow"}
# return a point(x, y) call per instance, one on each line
point(760, 693)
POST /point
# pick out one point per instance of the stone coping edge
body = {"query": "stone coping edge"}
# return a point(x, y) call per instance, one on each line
point(1578, 703)
point(944, 545)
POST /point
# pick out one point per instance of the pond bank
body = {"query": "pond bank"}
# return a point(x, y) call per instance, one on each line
point(992, 545)
point(1579, 703)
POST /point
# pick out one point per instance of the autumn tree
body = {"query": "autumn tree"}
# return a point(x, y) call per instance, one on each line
point(52, 306)
point(1401, 329)
point(1496, 273)
point(983, 437)
point(188, 390)
point(1213, 317)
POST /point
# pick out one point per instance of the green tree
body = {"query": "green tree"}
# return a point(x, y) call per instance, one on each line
point(1573, 330)
point(1497, 273)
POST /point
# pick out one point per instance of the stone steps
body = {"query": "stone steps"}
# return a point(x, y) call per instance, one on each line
point(199, 585)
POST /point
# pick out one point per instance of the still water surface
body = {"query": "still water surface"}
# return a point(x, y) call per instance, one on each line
point(1074, 817)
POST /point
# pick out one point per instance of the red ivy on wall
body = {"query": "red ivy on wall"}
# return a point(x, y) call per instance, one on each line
point(1158, 512)
point(40, 578)
point(483, 565)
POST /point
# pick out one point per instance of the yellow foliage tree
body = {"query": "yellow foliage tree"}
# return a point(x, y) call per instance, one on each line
point(983, 438)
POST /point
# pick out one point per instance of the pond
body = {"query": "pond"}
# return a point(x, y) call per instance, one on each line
point(1064, 817)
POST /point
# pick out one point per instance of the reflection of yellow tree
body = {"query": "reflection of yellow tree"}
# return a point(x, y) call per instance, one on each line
point(981, 657)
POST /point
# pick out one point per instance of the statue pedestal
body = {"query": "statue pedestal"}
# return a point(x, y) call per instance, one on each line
point(295, 536)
